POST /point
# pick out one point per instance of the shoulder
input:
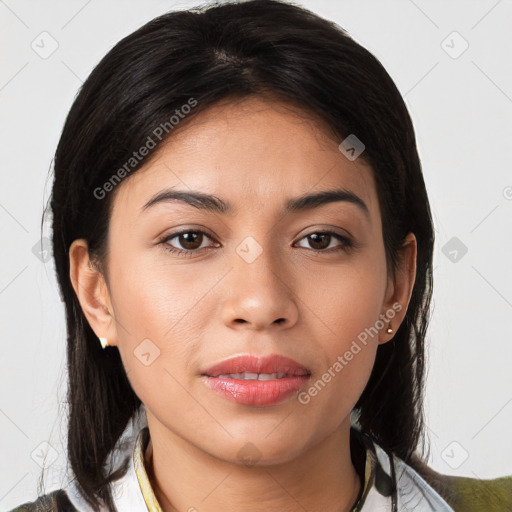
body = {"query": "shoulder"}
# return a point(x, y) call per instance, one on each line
point(469, 494)
point(56, 501)
point(474, 495)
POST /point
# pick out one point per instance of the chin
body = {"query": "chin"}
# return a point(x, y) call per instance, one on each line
point(260, 450)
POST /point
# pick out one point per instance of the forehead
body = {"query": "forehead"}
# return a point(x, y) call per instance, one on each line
point(254, 153)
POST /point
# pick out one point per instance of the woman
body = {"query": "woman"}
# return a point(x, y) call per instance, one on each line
point(243, 243)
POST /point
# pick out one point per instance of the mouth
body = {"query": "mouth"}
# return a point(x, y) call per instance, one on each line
point(256, 381)
point(252, 376)
point(251, 367)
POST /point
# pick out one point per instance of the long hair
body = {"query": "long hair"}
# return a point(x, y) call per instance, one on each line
point(228, 52)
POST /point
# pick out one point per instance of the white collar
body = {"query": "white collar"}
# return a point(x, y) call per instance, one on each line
point(413, 493)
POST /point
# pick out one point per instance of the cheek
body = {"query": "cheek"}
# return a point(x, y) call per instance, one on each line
point(348, 300)
point(152, 299)
point(349, 355)
point(347, 303)
point(155, 340)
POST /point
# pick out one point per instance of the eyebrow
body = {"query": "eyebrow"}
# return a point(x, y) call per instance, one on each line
point(215, 204)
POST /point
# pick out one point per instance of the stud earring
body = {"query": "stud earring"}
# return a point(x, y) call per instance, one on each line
point(104, 342)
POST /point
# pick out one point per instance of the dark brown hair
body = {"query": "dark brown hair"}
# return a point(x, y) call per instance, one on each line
point(228, 52)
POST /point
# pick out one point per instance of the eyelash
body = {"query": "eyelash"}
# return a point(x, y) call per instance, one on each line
point(347, 244)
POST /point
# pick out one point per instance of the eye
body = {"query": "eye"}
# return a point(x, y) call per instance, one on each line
point(190, 240)
point(320, 241)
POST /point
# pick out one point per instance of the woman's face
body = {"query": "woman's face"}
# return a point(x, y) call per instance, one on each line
point(258, 280)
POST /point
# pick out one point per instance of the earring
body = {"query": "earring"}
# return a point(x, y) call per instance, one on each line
point(389, 330)
point(104, 342)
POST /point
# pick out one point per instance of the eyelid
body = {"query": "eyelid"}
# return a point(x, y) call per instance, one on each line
point(336, 230)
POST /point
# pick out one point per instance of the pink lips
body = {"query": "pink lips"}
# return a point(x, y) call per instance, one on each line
point(289, 378)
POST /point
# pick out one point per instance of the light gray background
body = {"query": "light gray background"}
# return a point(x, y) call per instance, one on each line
point(462, 111)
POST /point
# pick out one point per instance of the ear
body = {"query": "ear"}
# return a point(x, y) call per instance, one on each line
point(399, 289)
point(92, 292)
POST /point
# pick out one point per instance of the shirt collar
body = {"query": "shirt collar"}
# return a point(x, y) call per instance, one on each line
point(142, 477)
point(377, 488)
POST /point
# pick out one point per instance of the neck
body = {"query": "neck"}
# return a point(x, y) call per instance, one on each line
point(184, 477)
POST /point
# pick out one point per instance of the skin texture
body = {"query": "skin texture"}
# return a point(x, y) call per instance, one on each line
point(200, 310)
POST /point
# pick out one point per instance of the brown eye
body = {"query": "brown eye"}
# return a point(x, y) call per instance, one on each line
point(322, 241)
point(185, 242)
point(319, 241)
point(190, 240)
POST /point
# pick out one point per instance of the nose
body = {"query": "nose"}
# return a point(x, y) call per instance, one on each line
point(260, 294)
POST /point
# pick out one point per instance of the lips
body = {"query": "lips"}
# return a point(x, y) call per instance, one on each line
point(256, 381)
point(273, 364)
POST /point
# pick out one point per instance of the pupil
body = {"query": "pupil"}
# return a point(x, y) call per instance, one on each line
point(190, 243)
point(315, 243)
